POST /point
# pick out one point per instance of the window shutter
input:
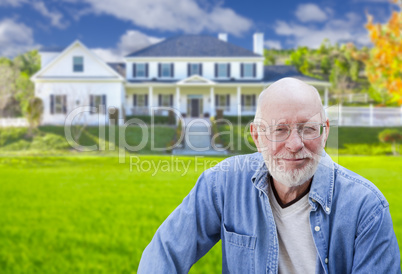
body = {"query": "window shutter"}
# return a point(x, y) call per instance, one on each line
point(104, 104)
point(146, 70)
point(253, 100)
point(171, 100)
point(216, 70)
point(200, 69)
point(216, 100)
point(227, 100)
point(134, 100)
point(254, 69)
point(228, 70)
point(242, 100)
point(159, 70)
point(134, 70)
point(241, 70)
point(172, 70)
point(146, 100)
point(51, 104)
point(64, 104)
point(160, 100)
point(188, 69)
point(91, 103)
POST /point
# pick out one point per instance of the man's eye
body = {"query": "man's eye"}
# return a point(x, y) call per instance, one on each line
point(281, 129)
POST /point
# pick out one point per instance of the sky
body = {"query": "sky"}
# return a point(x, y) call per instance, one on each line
point(116, 28)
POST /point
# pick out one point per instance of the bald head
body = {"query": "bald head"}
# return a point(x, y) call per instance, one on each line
point(288, 93)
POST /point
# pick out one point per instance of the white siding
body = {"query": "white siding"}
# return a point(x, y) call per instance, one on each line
point(78, 92)
point(64, 66)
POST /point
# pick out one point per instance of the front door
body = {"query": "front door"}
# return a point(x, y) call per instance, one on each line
point(195, 107)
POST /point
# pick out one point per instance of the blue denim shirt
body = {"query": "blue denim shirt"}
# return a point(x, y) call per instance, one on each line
point(350, 223)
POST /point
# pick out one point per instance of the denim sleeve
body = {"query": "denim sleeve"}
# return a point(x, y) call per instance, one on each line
point(190, 231)
point(376, 247)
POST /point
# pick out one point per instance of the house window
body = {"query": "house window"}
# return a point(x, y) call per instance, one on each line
point(78, 64)
point(194, 69)
point(140, 70)
point(222, 70)
point(58, 104)
point(140, 100)
point(99, 102)
point(248, 70)
point(222, 101)
point(248, 102)
point(165, 100)
point(165, 70)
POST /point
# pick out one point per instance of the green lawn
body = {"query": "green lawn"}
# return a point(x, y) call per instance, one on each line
point(84, 214)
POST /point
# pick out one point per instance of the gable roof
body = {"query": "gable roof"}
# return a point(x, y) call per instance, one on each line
point(37, 75)
point(193, 46)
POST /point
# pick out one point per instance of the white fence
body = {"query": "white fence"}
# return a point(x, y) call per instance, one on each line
point(365, 116)
point(13, 122)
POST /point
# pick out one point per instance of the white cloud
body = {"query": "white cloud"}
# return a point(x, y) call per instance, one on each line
point(310, 13)
point(349, 29)
point(174, 15)
point(54, 16)
point(15, 38)
point(13, 3)
point(273, 44)
point(129, 42)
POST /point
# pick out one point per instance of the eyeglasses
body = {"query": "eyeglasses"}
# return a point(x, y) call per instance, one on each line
point(306, 131)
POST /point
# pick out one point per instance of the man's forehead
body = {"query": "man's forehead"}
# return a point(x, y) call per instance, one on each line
point(291, 113)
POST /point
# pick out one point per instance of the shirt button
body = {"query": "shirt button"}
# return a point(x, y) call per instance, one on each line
point(317, 228)
point(327, 209)
point(326, 260)
point(313, 200)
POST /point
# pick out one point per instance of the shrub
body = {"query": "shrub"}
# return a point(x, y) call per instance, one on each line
point(235, 119)
point(12, 134)
point(49, 142)
point(17, 146)
point(158, 119)
point(391, 136)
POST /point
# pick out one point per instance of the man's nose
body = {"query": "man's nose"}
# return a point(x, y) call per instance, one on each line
point(294, 143)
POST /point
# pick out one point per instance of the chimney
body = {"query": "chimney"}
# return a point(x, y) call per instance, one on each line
point(223, 37)
point(258, 45)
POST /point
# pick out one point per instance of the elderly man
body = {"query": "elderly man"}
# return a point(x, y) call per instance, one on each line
point(287, 208)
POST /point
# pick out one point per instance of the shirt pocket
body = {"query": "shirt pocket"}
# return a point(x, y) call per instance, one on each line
point(239, 252)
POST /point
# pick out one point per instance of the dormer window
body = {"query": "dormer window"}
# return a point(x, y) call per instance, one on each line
point(78, 64)
point(248, 70)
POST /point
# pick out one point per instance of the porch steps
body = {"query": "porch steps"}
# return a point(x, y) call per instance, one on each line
point(198, 141)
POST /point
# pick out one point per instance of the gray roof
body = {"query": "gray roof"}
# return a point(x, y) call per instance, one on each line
point(120, 68)
point(276, 72)
point(193, 46)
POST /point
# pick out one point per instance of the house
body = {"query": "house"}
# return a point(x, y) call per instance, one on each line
point(196, 75)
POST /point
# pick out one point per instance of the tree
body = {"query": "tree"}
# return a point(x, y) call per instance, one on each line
point(390, 136)
point(34, 113)
point(383, 65)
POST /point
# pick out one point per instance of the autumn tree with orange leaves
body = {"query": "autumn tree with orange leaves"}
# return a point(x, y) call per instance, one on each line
point(384, 62)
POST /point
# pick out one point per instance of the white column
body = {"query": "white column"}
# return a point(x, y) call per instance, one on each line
point(340, 115)
point(178, 99)
point(212, 102)
point(371, 115)
point(326, 97)
point(401, 115)
point(150, 103)
point(239, 100)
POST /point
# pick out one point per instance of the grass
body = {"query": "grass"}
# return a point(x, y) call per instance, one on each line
point(81, 214)
point(49, 138)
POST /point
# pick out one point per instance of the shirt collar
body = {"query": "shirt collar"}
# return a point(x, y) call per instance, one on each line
point(322, 186)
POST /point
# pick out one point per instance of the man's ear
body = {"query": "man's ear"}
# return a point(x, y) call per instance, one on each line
point(254, 135)
point(326, 130)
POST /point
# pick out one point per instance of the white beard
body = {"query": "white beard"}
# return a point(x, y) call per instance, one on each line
point(292, 177)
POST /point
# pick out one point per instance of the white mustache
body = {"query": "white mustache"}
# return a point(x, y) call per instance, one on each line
point(299, 155)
